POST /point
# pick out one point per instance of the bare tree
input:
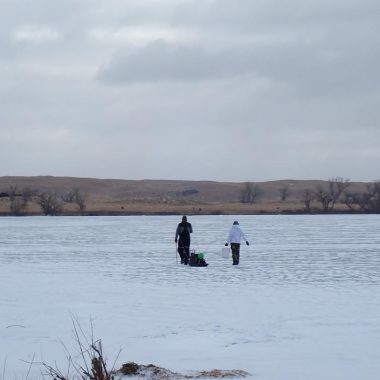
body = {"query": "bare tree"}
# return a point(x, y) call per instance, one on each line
point(27, 194)
point(307, 198)
point(284, 193)
point(374, 196)
point(351, 199)
point(250, 193)
point(330, 195)
point(322, 195)
point(50, 203)
point(19, 200)
point(80, 200)
point(68, 197)
point(337, 186)
point(16, 205)
point(77, 197)
point(364, 202)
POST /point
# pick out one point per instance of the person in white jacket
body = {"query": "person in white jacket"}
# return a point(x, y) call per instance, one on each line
point(235, 236)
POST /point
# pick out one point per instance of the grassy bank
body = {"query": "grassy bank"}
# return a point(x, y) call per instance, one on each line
point(102, 208)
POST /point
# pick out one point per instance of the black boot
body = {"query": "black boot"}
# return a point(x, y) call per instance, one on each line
point(181, 255)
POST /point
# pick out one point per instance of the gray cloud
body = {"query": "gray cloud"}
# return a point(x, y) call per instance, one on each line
point(159, 61)
point(332, 60)
point(248, 90)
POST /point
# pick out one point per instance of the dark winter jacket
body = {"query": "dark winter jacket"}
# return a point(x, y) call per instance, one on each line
point(184, 229)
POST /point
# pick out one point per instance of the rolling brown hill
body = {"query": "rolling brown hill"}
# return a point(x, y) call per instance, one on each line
point(165, 196)
point(202, 191)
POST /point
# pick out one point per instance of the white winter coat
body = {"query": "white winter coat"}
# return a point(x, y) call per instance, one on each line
point(236, 235)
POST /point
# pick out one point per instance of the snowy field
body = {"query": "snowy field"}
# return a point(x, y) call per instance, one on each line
point(304, 303)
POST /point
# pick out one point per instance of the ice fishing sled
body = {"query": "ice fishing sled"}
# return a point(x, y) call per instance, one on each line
point(197, 259)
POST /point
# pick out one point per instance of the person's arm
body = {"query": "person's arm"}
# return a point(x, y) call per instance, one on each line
point(176, 234)
point(243, 236)
point(190, 228)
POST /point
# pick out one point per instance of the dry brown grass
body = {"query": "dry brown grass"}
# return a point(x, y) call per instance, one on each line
point(104, 207)
point(124, 197)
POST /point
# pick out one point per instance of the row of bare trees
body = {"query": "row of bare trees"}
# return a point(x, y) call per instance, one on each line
point(251, 192)
point(367, 201)
point(51, 203)
point(335, 190)
point(327, 195)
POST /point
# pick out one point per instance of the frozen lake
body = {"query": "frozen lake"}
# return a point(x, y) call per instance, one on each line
point(304, 303)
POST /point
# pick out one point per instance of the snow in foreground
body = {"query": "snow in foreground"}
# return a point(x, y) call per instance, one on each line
point(303, 304)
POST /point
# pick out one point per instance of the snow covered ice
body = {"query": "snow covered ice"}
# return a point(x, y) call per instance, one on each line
point(304, 303)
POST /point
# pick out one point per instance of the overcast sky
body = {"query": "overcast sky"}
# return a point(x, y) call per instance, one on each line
point(225, 90)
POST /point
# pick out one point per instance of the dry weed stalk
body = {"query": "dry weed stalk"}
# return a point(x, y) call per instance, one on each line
point(93, 365)
point(92, 362)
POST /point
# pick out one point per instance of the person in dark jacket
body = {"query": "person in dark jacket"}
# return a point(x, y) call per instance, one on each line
point(182, 236)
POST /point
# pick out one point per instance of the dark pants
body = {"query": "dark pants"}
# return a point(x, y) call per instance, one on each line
point(184, 251)
point(235, 249)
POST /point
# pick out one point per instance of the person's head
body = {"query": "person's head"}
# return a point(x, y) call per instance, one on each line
point(236, 223)
point(184, 218)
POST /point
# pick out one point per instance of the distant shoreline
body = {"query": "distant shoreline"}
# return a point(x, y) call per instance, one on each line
point(188, 211)
point(27, 196)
